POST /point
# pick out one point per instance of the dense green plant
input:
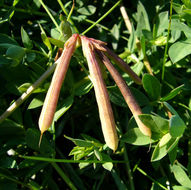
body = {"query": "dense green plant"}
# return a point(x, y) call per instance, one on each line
point(155, 41)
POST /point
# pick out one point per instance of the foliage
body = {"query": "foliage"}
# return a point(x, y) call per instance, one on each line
point(73, 153)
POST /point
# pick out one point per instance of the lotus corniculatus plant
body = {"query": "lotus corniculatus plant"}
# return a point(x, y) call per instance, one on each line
point(96, 53)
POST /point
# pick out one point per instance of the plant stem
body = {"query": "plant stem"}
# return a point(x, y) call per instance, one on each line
point(44, 159)
point(156, 182)
point(124, 66)
point(66, 13)
point(100, 19)
point(32, 12)
point(50, 15)
point(129, 27)
point(168, 36)
point(129, 173)
point(64, 176)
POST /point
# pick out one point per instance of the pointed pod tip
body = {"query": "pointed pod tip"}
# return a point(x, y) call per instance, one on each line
point(40, 140)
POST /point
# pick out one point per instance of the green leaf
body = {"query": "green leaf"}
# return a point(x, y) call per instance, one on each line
point(142, 19)
point(116, 96)
point(135, 136)
point(83, 86)
point(155, 123)
point(88, 10)
point(108, 165)
point(160, 152)
point(162, 22)
point(25, 39)
point(80, 142)
point(115, 34)
point(5, 39)
point(141, 99)
point(172, 94)
point(179, 50)
point(56, 42)
point(11, 129)
point(36, 102)
point(176, 187)
point(165, 139)
point(67, 104)
point(32, 140)
point(170, 108)
point(45, 39)
point(132, 40)
point(181, 176)
point(118, 181)
point(177, 126)
point(152, 86)
point(15, 52)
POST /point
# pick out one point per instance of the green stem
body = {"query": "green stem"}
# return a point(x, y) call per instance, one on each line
point(156, 182)
point(32, 12)
point(50, 15)
point(44, 159)
point(64, 176)
point(100, 19)
point(168, 36)
point(129, 173)
point(66, 13)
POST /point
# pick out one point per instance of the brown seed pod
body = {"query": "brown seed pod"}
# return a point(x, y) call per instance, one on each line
point(102, 97)
point(50, 103)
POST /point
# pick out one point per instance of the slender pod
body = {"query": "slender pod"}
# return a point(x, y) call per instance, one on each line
point(50, 103)
point(102, 97)
point(122, 65)
point(129, 98)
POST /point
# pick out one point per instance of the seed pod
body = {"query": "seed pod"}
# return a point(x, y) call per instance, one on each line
point(129, 98)
point(102, 97)
point(49, 106)
point(122, 65)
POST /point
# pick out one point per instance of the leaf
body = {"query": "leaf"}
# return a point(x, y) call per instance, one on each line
point(164, 140)
point(80, 142)
point(172, 94)
point(36, 102)
point(141, 99)
point(181, 176)
point(88, 10)
point(135, 136)
point(11, 129)
point(132, 41)
point(176, 187)
point(115, 34)
point(177, 126)
point(108, 165)
point(179, 50)
point(32, 140)
point(83, 86)
point(5, 39)
point(116, 96)
point(15, 52)
point(152, 86)
point(142, 19)
point(160, 152)
point(45, 39)
point(118, 181)
point(170, 108)
point(25, 39)
point(67, 104)
point(56, 42)
point(155, 123)
point(162, 22)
